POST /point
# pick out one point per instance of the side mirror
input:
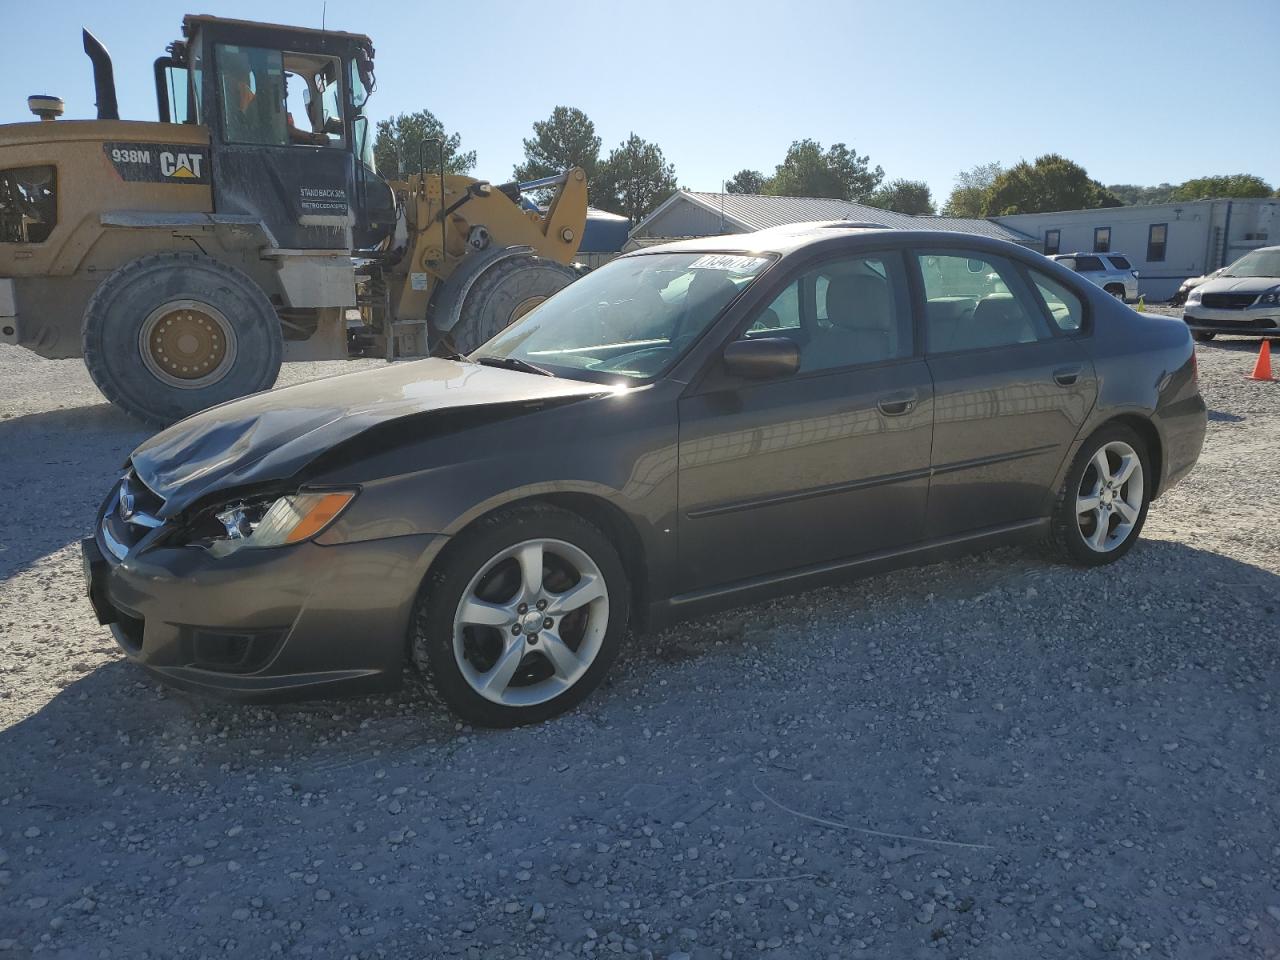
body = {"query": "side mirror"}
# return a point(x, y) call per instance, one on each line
point(762, 358)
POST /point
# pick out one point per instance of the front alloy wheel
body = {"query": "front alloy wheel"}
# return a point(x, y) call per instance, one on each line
point(522, 616)
point(531, 622)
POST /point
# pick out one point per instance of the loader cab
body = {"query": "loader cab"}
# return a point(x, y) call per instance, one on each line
point(291, 144)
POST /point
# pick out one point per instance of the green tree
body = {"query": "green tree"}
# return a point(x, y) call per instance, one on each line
point(634, 179)
point(969, 195)
point(1132, 195)
point(565, 139)
point(399, 148)
point(745, 181)
point(1235, 186)
point(838, 172)
point(904, 196)
point(1052, 182)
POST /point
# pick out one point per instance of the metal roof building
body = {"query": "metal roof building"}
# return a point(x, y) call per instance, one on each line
point(688, 213)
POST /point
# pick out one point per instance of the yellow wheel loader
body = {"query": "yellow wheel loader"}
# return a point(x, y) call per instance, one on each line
point(185, 259)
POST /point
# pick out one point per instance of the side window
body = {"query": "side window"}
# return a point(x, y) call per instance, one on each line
point(175, 92)
point(1101, 239)
point(780, 316)
point(251, 86)
point(1157, 241)
point(1088, 265)
point(844, 313)
point(1064, 306)
point(312, 93)
point(1120, 263)
point(1052, 241)
point(975, 302)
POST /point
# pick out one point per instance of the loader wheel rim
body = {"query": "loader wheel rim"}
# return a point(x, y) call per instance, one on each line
point(524, 306)
point(187, 344)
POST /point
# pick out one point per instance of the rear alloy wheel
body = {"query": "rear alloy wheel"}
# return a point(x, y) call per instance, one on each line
point(523, 618)
point(1103, 504)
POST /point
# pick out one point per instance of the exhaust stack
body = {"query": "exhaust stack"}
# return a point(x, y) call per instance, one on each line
point(104, 78)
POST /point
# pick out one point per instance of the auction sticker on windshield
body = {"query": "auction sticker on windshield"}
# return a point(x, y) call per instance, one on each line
point(728, 262)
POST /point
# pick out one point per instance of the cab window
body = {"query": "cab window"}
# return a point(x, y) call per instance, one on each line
point(278, 99)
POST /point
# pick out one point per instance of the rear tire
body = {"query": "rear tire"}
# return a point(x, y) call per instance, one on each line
point(503, 294)
point(171, 334)
point(1202, 337)
point(533, 588)
point(1100, 510)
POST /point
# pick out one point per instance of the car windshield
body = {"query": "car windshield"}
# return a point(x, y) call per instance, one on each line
point(632, 318)
point(1259, 263)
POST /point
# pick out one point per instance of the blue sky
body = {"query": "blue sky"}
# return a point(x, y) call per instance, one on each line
point(1136, 92)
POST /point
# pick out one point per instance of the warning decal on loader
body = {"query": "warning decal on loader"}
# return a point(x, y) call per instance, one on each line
point(159, 162)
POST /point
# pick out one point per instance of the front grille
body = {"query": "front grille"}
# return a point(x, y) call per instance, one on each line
point(1229, 301)
point(131, 515)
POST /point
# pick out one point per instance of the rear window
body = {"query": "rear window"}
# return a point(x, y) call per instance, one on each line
point(1086, 264)
point(1063, 305)
point(1121, 263)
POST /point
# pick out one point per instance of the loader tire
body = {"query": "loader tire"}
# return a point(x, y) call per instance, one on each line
point(503, 294)
point(170, 334)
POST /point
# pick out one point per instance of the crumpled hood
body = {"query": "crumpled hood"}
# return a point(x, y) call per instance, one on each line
point(1239, 285)
point(272, 435)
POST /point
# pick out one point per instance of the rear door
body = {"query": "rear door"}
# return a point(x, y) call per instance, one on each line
point(1012, 383)
point(829, 463)
point(280, 150)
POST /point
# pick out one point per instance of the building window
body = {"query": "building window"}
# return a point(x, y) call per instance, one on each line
point(1052, 242)
point(1101, 239)
point(1157, 240)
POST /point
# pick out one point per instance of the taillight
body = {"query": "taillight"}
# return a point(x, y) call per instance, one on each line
point(1195, 367)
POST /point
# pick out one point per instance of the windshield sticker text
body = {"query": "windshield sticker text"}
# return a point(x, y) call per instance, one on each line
point(730, 263)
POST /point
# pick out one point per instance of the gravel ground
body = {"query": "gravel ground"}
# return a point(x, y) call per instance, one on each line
point(997, 757)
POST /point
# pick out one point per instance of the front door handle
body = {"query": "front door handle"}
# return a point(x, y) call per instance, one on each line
point(895, 405)
point(1066, 376)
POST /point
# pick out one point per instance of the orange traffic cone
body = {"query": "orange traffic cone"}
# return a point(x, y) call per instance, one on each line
point(1262, 369)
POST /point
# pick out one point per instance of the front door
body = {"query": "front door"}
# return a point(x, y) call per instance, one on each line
point(1013, 384)
point(829, 463)
point(281, 154)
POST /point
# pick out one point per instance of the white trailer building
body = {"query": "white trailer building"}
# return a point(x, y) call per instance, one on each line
point(1165, 242)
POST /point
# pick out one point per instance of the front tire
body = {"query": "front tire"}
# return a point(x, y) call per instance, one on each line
point(1100, 510)
point(1201, 336)
point(170, 334)
point(522, 616)
point(1116, 290)
point(504, 293)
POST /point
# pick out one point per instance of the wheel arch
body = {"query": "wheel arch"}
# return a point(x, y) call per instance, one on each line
point(1150, 436)
point(611, 519)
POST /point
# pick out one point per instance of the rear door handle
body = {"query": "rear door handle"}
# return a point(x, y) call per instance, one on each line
point(1066, 376)
point(895, 405)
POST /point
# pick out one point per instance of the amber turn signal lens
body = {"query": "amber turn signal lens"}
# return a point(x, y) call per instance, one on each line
point(320, 513)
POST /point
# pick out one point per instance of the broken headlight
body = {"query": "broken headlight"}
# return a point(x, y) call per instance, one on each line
point(275, 522)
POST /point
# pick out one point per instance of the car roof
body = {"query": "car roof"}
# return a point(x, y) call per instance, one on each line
point(1090, 253)
point(794, 237)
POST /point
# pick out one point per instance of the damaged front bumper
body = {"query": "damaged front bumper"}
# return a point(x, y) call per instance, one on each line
point(293, 622)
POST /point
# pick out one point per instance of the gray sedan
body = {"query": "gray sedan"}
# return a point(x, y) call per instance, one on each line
point(699, 424)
